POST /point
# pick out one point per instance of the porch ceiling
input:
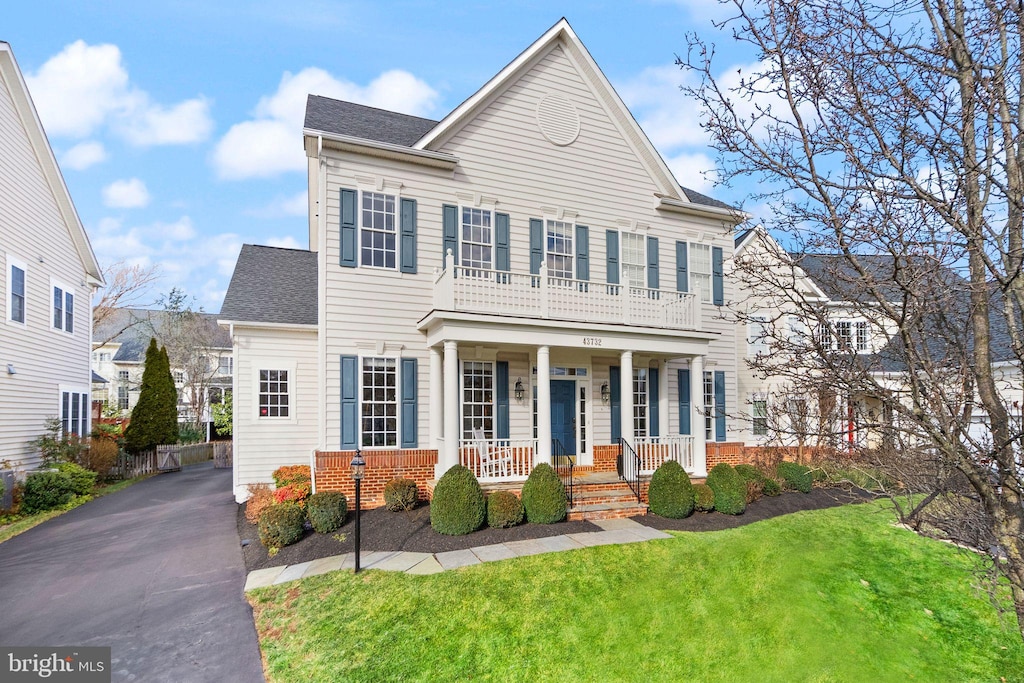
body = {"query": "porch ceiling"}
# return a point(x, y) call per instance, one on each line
point(475, 328)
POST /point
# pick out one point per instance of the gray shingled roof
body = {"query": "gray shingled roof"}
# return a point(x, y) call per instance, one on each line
point(133, 327)
point(272, 285)
point(840, 281)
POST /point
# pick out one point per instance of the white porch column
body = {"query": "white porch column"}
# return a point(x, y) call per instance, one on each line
point(543, 405)
point(626, 397)
point(450, 457)
point(700, 455)
point(436, 396)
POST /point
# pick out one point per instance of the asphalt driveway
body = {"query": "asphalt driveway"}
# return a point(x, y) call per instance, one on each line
point(154, 572)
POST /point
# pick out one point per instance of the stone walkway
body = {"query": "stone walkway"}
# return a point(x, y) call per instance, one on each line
point(614, 531)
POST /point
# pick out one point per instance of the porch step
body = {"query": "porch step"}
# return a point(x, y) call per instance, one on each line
point(595, 496)
point(607, 510)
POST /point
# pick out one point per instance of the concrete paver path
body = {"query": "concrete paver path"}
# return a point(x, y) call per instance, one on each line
point(154, 571)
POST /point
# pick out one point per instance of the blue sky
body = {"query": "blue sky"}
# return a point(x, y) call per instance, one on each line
point(178, 124)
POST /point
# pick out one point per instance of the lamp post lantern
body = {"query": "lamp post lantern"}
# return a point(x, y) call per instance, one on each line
point(358, 469)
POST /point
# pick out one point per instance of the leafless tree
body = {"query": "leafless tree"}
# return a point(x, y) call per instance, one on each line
point(126, 286)
point(891, 134)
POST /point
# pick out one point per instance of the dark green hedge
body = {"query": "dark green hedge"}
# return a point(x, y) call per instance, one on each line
point(544, 496)
point(458, 506)
point(730, 489)
point(504, 510)
point(400, 494)
point(703, 498)
point(670, 493)
point(796, 477)
point(281, 525)
point(326, 510)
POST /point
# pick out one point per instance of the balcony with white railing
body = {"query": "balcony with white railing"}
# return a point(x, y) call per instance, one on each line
point(515, 293)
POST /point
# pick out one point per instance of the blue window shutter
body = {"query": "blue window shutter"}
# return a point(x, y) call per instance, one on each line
point(614, 375)
point(719, 405)
point(582, 252)
point(349, 401)
point(536, 244)
point(682, 281)
point(450, 216)
point(348, 228)
point(717, 284)
point(653, 275)
point(409, 404)
point(612, 247)
point(408, 222)
point(501, 399)
point(684, 402)
point(502, 260)
point(653, 407)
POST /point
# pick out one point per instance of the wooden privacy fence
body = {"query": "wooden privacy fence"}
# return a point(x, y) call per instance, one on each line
point(131, 465)
point(175, 456)
point(222, 453)
point(171, 457)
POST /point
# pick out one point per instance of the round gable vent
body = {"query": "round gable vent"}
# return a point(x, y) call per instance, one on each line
point(558, 119)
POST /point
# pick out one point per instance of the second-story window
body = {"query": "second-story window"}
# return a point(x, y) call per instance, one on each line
point(227, 365)
point(477, 239)
point(634, 260)
point(16, 286)
point(377, 239)
point(862, 335)
point(559, 249)
point(700, 271)
point(63, 309)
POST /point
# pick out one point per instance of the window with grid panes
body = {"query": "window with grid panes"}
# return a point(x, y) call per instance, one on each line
point(844, 335)
point(700, 271)
point(378, 240)
point(477, 239)
point(640, 396)
point(559, 249)
point(477, 398)
point(634, 260)
point(825, 335)
point(380, 402)
point(709, 406)
point(862, 335)
point(759, 415)
point(273, 395)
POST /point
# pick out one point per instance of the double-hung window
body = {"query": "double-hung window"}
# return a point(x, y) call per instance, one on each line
point(700, 271)
point(380, 402)
point(63, 309)
point(709, 406)
point(477, 399)
point(634, 260)
point(477, 239)
point(227, 365)
point(757, 336)
point(559, 249)
point(16, 287)
point(378, 240)
point(274, 396)
point(861, 327)
point(759, 415)
point(844, 335)
point(825, 335)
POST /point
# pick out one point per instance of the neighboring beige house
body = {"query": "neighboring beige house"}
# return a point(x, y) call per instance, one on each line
point(522, 282)
point(49, 275)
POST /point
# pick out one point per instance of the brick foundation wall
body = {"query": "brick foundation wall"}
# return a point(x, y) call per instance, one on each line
point(731, 453)
point(333, 473)
point(605, 458)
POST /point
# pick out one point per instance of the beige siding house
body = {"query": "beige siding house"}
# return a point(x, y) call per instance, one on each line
point(49, 275)
point(522, 282)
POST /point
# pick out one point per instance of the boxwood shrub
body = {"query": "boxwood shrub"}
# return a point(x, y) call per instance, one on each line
point(544, 496)
point(796, 477)
point(772, 487)
point(81, 480)
point(326, 510)
point(458, 506)
point(282, 525)
point(46, 491)
point(730, 489)
point(703, 498)
point(400, 494)
point(504, 510)
point(670, 493)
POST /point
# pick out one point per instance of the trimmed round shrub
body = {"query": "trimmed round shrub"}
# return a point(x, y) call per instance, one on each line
point(326, 510)
point(796, 477)
point(82, 480)
point(703, 498)
point(261, 496)
point(754, 479)
point(281, 525)
point(46, 491)
point(400, 494)
point(544, 496)
point(670, 493)
point(771, 487)
point(504, 510)
point(730, 489)
point(458, 506)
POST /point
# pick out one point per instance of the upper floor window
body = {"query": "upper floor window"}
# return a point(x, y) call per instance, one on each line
point(378, 238)
point(757, 336)
point(16, 287)
point(634, 260)
point(849, 335)
point(700, 271)
point(227, 365)
point(122, 375)
point(179, 377)
point(558, 239)
point(63, 309)
point(477, 239)
point(861, 327)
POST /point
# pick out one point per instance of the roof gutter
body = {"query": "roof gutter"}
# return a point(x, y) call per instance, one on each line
point(672, 204)
point(274, 326)
point(385, 150)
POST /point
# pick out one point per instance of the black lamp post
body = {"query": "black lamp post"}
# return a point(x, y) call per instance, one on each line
point(358, 468)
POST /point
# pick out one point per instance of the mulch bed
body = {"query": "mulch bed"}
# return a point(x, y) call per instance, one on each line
point(381, 529)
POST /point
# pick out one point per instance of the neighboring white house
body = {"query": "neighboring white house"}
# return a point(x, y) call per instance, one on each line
point(49, 275)
point(523, 278)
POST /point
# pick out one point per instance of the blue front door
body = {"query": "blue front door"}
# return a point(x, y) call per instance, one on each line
point(563, 414)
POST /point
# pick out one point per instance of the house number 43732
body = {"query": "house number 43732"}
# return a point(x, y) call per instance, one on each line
point(592, 341)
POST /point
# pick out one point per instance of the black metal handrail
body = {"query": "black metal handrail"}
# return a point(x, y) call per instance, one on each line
point(563, 463)
point(629, 467)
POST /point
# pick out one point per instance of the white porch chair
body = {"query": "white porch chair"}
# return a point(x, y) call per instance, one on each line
point(495, 461)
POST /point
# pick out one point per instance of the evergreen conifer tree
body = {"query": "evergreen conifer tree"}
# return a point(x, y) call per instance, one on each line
point(155, 417)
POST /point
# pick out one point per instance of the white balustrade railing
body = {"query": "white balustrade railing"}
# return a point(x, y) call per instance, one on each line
point(655, 450)
point(481, 290)
point(498, 459)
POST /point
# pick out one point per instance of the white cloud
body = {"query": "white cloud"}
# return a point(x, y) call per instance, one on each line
point(126, 194)
point(295, 205)
point(271, 142)
point(86, 87)
point(84, 155)
point(667, 115)
point(695, 171)
point(286, 242)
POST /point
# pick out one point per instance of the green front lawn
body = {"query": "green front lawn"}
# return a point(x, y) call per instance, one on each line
point(831, 595)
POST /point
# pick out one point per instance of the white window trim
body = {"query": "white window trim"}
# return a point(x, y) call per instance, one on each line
point(398, 402)
point(691, 257)
point(462, 393)
point(622, 257)
point(75, 389)
point(65, 290)
point(494, 236)
point(398, 227)
point(272, 364)
point(757, 345)
point(571, 222)
point(15, 261)
point(755, 398)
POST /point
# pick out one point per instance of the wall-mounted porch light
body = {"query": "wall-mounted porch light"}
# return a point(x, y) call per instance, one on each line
point(606, 394)
point(519, 389)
